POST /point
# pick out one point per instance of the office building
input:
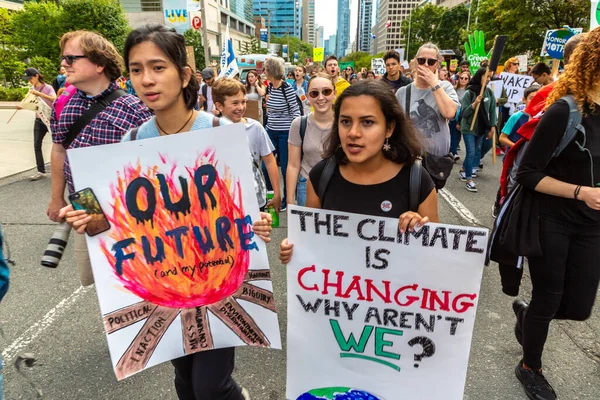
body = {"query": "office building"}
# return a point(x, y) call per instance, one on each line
point(308, 21)
point(319, 36)
point(365, 20)
point(332, 48)
point(242, 8)
point(343, 27)
point(451, 3)
point(391, 15)
point(284, 18)
point(326, 48)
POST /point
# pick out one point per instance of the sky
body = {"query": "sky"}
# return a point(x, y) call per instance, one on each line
point(326, 16)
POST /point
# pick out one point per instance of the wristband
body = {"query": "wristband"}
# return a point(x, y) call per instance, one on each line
point(576, 193)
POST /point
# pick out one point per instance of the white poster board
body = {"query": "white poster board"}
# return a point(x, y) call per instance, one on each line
point(515, 85)
point(375, 312)
point(522, 62)
point(179, 271)
point(378, 66)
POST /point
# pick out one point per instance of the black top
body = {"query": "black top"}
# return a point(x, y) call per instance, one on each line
point(387, 199)
point(571, 166)
point(397, 84)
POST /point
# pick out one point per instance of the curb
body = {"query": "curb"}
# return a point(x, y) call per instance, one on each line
point(8, 105)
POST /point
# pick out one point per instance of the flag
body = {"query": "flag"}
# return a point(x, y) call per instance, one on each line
point(373, 36)
point(229, 67)
point(388, 23)
point(595, 15)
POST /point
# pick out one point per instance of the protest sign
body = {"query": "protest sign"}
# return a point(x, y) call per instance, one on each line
point(522, 62)
point(344, 64)
point(515, 85)
point(180, 270)
point(555, 40)
point(475, 50)
point(453, 65)
point(374, 313)
point(253, 110)
point(176, 15)
point(595, 15)
point(42, 110)
point(496, 87)
point(318, 54)
point(378, 66)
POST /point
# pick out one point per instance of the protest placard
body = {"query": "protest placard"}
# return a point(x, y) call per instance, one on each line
point(522, 62)
point(555, 40)
point(374, 313)
point(515, 85)
point(318, 53)
point(33, 103)
point(180, 270)
point(378, 66)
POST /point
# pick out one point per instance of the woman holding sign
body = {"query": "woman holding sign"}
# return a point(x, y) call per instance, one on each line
point(565, 277)
point(156, 59)
point(369, 156)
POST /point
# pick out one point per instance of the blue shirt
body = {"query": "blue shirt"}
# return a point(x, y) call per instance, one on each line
point(513, 124)
point(149, 129)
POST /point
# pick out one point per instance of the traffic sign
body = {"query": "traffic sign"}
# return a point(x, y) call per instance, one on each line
point(197, 23)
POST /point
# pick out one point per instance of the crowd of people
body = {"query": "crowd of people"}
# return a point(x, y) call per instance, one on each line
point(350, 145)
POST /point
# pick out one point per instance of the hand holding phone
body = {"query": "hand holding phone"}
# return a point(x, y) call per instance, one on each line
point(85, 199)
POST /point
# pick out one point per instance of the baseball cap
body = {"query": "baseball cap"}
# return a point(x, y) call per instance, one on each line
point(30, 73)
point(208, 73)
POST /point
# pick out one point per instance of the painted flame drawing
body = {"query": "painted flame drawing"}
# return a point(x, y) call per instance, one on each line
point(186, 262)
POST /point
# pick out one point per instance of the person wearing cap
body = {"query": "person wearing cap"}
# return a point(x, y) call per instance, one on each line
point(208, 105)
point(48, 95)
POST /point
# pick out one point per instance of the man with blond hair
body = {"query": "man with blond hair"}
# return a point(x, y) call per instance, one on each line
point(99, 113)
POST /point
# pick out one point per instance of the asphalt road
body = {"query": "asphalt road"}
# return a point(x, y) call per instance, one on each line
point(46, 313)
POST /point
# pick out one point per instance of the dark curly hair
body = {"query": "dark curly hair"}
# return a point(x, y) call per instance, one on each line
point(404, 142)
point(173, 45)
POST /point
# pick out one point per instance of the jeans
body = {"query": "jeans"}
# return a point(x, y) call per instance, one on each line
point(280, 141)
point(454, 137)
point(486, 145)
point(301, 191)
point(206, 375)
point(473, 153)
point(565, 281)
point(39, 131)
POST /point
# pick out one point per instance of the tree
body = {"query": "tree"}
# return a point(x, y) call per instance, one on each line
point(255, 47)
point(304, 49)
point(194, 38)
point(451, 29)
point(361, 59)
point(36, 30)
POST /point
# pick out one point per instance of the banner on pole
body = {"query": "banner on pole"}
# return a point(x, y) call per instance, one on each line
point(229, 66)
point(180, 270)
point(373, 313)
point(176, 15)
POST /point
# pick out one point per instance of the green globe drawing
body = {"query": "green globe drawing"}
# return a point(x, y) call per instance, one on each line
point(338, 393)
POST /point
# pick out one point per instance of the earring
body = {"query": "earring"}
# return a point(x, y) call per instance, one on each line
point(386, 145)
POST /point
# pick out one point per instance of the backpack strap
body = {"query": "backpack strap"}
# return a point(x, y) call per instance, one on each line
point(287, 103)
point(303, 123)
point(326, 175)
point(134, 133)
point(407, 100)
point(573, 126)
point(414, 185)
point(91, 113)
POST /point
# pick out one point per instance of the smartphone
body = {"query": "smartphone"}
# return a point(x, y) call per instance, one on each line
point(85, 199)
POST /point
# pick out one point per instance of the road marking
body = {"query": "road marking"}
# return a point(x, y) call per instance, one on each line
point(36, 329)
point(459, 207)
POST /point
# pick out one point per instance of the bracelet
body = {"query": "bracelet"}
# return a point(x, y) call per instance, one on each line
point(577, 190)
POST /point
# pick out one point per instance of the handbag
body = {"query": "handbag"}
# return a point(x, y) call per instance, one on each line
point(438, 167)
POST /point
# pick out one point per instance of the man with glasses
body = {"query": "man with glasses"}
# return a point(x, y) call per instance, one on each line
point(393, 74)
point(432, 102)
point(542, 74)
point(92, 64)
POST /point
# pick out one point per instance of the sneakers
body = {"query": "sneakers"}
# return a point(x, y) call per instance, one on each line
point(519, 307)
point(246, 394)
point(462, 176)
point(474, 172)
point(480, 165)
point(38, 175)
point(535, 385)
point(471, 187)
point(453, 156)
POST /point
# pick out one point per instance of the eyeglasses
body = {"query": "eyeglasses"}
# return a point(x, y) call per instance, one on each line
point(430, 61)
point(71, 59)
point(313, 94)
point(516, 63)
point(464, 78)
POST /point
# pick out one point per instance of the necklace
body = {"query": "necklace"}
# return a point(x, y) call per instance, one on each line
point(180, 129)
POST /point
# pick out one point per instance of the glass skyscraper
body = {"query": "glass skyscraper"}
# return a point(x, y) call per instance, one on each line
point(343, 27)
point(242, 8)
point(285, 16)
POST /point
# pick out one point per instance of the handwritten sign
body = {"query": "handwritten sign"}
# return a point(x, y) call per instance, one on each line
point(180, 270)
point(555, 40)
point(515, 85)
point(318, 54)
point(373, 313)
point(378, 66)
point(176, 15)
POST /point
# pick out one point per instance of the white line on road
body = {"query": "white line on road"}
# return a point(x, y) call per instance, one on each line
point(36, 329)
point(459, 207)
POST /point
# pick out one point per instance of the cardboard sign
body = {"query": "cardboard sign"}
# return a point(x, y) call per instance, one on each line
point(522, 62)
point(378, 66)
point(253, 110)
point(376, 314)
point(180, 270)
point(515, 85)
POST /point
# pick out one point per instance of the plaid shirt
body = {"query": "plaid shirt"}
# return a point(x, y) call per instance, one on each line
point(107, 127)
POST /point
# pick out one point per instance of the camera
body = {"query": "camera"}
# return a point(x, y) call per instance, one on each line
point(56, 246)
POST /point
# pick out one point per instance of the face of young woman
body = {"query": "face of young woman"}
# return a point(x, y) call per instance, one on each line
point(155, 77)
point(299, 73)
point(362, 129)
point(322, 103)
point(34, 80)
point(234, 107)
point(251, 79)
point(463, 80)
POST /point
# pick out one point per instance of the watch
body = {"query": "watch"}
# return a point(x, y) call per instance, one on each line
point(436, 87)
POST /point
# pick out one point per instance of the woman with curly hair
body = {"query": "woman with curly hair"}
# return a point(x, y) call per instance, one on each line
point(565, 278)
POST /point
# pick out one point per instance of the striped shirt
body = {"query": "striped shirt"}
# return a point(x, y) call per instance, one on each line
point(107, 127)
point(280, 112)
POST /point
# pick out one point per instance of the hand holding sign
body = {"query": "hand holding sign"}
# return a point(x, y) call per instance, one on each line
point(475, 50)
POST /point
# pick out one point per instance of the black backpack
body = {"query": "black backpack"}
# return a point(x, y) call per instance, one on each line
point(284, 85)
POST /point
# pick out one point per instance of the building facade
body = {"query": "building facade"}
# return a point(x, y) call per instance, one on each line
point(308, 21)
point(282, 16)
point(391, 15)
point(365, 20)
point(343, 27)
point(242, 8)
point(319, 36)
point(332, 48)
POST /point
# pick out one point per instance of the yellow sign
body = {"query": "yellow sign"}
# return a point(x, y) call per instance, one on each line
point(453, 65)
point(317, 54)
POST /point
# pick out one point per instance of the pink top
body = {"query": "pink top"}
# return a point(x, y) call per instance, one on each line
point(49, 90)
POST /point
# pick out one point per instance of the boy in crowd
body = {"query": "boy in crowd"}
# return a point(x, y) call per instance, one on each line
point(509, 134)
point(230, 100)
point(332, 67)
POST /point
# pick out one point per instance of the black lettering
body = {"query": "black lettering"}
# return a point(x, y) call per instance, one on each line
point(337, 225)
point(319, 223)
point(303, 215)
point(471, 242)
point(205, 188)
point(131, 199)
point(359, 229)
point(183, 204)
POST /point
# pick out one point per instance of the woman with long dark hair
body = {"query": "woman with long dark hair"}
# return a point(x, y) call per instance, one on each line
point(255, 90)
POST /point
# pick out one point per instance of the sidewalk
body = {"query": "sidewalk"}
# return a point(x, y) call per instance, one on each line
point(8, 105)
point(16, 142)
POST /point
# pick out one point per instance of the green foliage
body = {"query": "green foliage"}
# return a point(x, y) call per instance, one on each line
point(12, 94)
point(361, 59)
point(254, 48)
point(304, 49)
point(12, 69)
point(194, 38)
point(46, 67)
point(5, 28)
point(423, 23)
point(36, 29)
point(525, 22)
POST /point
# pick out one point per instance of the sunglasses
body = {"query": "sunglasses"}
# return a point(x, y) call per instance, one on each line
point(430, 61)
point(464, 79)
point(71, 59)
point(515, 63)
point(313, 94)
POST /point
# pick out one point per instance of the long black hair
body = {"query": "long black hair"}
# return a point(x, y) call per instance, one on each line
point(404, 142)
point(173, 45)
